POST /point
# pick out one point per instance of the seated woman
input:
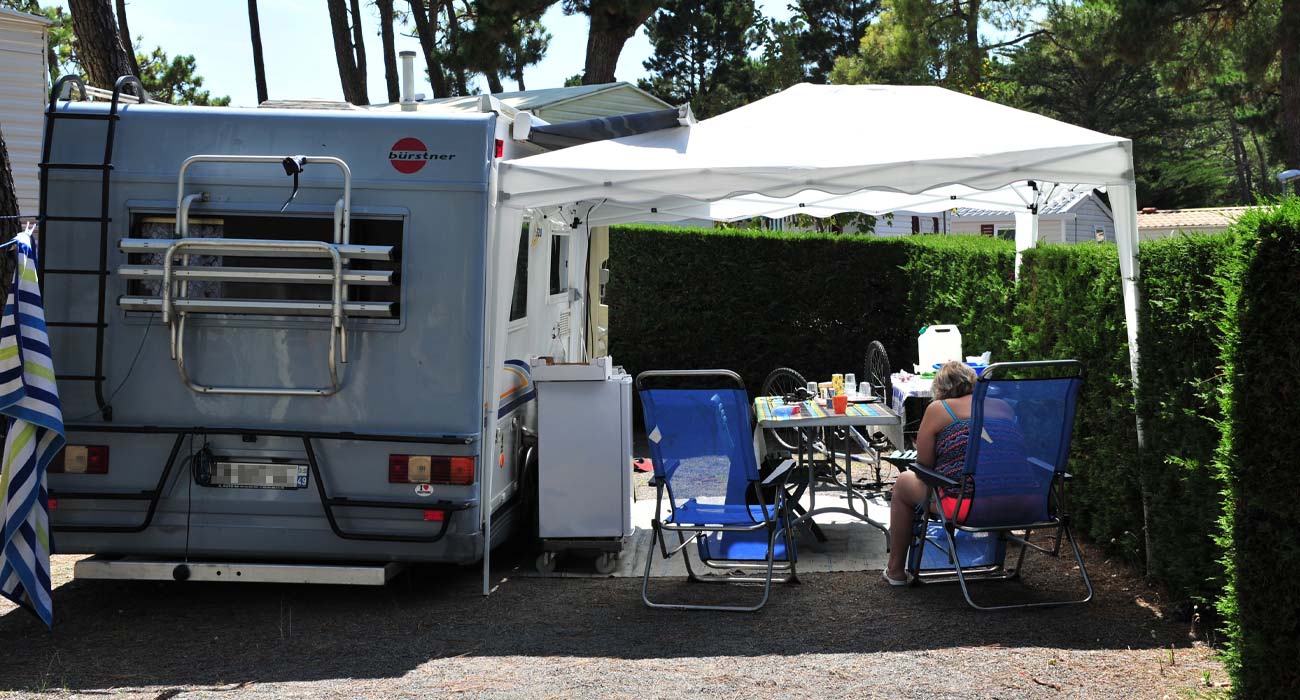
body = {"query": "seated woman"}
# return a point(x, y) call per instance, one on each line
point(940, 444)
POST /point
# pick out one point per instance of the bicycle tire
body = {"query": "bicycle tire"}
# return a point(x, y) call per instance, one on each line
point(780, 382)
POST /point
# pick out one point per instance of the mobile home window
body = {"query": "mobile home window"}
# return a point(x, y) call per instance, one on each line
point(559, 264)
point(519, 301)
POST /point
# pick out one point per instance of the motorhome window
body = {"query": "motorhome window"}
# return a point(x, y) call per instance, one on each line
point(559, 264)
point(519, 301)
point(363, 231)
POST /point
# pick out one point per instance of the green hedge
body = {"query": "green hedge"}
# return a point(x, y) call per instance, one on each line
point(752, 301)
point(1186, 284)
point(1262, 604)
point(1069, 305)
point(1218, 391)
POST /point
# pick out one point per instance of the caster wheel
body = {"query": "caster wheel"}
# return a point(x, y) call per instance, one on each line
point(606, 563)
point(546, 562)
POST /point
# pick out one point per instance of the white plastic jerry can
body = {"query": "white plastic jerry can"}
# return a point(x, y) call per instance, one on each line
point(938, 344)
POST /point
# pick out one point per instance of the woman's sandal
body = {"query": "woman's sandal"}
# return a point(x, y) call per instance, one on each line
point(895, 582)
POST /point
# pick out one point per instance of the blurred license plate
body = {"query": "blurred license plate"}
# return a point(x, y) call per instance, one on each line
point(259, 475)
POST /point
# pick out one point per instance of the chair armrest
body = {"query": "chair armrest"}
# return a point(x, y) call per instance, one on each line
point(932, 477)
point(779, 473)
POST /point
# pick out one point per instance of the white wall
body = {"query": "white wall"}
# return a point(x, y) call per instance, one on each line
point(1089, 216)
point(22, 98)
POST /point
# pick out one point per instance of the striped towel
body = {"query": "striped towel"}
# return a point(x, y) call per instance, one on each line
point(29, 401)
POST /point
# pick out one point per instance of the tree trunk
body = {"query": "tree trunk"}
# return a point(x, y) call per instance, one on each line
point(8, 215)
point(1288, 32)
point(424, 28)
point(1265, 177)
point(603, 50)
point(353, 90)
point(359, 50)
point(494, 83)
point(8, 196)
point(453, 41)
point(124, 33)
point(974, 54)
point(1241, 159)
point(391, 80)
point(259, 64)
point(519, 78)
point(612, 24)
point(99, 50)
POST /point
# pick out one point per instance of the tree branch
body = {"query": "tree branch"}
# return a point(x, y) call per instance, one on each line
point(1010, 42)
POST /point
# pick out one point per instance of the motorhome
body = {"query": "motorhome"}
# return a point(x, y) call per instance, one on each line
point(285, 350)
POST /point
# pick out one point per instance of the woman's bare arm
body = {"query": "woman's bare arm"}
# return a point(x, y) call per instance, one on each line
point(926, 435)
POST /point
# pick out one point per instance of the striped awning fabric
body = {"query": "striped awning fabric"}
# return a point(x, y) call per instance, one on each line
point(29, 401)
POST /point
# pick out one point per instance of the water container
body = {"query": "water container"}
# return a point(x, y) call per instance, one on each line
point(938, 344)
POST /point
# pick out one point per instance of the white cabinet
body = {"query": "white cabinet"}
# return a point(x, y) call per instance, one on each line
point(584, 432)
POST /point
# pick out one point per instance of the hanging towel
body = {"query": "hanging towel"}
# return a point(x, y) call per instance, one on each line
point(29, 401)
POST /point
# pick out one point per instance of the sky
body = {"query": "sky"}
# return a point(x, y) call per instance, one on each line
point(299, 51)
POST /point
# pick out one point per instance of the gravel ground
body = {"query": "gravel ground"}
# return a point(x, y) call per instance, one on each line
point(430, 635)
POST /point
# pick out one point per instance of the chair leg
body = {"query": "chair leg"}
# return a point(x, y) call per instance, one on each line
point(790, 555)
point(1078, 558)
point(767, 583)
point(649, 559)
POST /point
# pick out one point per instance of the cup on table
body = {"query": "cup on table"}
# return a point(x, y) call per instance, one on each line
point(812, 389)
point(850, 382)
point(841, 403)
point(864, 388)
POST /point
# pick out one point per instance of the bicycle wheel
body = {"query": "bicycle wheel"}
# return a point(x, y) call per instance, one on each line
point(876, 369)
point(780, 382)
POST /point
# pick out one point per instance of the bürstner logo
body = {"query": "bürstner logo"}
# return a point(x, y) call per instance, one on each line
point(408, 155)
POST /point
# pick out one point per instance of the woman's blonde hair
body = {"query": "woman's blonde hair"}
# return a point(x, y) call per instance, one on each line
point(953, 379)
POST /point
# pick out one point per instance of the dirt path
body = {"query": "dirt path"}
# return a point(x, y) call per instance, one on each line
point(430, 635)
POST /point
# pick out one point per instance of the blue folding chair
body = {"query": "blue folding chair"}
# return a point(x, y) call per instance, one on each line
point(700, 434)
point(1022, 417)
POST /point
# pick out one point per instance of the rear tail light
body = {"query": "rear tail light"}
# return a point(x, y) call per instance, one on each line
point(428, 469)
point(80, 459)
point(434, 516)
point(500, 148)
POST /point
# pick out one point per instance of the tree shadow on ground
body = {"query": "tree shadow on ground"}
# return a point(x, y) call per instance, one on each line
point(113, 634)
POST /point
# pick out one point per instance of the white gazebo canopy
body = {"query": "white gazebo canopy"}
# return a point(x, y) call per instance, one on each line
point(838, 148)
point(871, 148)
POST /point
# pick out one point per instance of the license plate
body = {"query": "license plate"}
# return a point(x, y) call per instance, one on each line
point(259, 475)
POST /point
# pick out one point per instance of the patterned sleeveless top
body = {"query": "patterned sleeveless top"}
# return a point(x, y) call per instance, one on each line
point(950, 447)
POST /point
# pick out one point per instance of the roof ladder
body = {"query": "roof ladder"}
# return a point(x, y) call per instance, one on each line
point(104, 170)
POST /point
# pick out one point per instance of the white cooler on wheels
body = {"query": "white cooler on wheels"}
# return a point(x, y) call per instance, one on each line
point(584, 479)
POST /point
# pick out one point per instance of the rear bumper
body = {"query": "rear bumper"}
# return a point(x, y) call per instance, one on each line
point(151, 505)
point(284, 538)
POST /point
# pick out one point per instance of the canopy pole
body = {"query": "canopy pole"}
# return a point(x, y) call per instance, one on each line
point(503, 227)
point(1026, 233)
point(1123, 202)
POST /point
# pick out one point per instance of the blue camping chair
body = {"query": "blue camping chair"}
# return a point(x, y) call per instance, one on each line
point(1022, 417)
point(700, 434)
